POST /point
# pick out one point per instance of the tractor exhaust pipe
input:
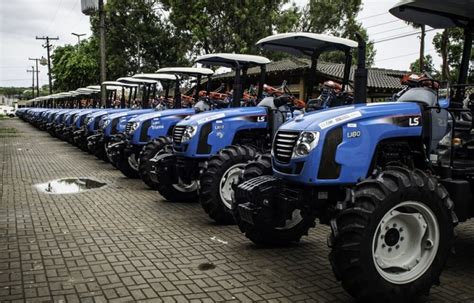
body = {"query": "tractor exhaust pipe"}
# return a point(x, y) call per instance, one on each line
point(360, 74)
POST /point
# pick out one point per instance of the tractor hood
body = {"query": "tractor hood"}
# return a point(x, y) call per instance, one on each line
point(214, 115)
point(128, 113)
point(329, 118)
point(163, 113)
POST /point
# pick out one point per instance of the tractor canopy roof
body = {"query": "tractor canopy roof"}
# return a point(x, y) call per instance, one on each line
point(117, 83)
point(436, 13)
point(188, 71)
point(136, 80)
point(232, 60)
point(87, 91)
point(302, 43)
point(155, 76)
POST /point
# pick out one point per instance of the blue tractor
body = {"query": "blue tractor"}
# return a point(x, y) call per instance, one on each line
point(219, 146)
point(104, 127)
point(243, 129)
point(151, 130)
point(391, 179)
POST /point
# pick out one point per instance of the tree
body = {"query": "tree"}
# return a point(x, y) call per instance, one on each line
point(428, 66)
point(139, 38)
point(336, 17)
point(75, 66)
point(229, 25)
point(450, 46)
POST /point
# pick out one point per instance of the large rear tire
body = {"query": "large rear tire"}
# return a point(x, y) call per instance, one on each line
point(260, 166)
point(148, 152)
point(393, 242)
point(223, 170)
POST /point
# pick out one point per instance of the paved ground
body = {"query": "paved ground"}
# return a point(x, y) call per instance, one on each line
point(125, 243)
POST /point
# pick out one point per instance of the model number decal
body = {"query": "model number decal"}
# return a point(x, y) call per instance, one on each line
point(340, 119)
point(354, 134)
point(210, 118)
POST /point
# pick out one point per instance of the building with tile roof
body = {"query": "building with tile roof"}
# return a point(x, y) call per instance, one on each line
point(382, 83)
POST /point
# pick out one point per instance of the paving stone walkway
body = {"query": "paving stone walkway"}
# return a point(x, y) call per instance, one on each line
point(124, 243)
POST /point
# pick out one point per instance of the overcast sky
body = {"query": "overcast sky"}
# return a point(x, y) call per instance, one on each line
point(22, 20)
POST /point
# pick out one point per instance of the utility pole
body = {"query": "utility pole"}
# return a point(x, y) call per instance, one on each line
point(103, 76)
point(32, 70)
point(78, 37)
point(37, 75)
point(48, 46)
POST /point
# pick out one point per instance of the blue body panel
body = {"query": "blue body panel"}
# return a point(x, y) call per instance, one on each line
point(363, 127)
point(69, 116)
point(96, 116)
point(225, 124)
point(83, 114)
point(123, 117)
point(160, 124)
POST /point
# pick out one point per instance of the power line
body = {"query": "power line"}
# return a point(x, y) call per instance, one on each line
point(400, 36)
point(388, 22)
point(404, 55)
point(373, 16)
point(55, 14)
point(387, 31)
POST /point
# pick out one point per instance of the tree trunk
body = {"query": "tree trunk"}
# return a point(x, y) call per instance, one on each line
point(422, 49)
point(444, 55)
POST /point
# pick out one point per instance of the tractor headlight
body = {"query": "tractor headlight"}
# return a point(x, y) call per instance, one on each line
point(189, 132)
point(105, 124)
point(134, 127)
point(88, 120)
point(307, 141)
point(74, 121)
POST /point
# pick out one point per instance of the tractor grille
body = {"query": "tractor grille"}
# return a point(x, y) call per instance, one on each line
point(178, 134)
point(128, 127)
point(283, 145)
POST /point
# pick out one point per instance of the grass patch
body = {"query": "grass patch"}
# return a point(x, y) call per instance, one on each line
point(8, 132)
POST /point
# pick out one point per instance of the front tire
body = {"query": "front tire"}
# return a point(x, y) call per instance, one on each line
point(223, 170)
point(393, 242)
point(148, 152)
point(174, 192)
point(128, 165)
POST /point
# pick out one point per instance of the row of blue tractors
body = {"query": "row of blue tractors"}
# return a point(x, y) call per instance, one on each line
point(384, 176)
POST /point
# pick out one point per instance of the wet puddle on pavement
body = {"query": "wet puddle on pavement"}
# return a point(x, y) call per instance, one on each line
point(69, 185)
point(206, 266)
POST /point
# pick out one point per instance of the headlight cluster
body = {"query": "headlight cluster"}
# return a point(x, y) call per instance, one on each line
point(134, 127)
point(307, 141)
point(87, 120)
point(105, 124)
point(189, 132)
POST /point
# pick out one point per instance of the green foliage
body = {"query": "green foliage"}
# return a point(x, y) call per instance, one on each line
point(75, 66)
point(13, 91)
point(229, 25)
point(454, 52)
point(139, 39)
point(336, 17)
point(428, 66)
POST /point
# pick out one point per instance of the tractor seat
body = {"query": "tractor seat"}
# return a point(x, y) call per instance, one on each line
point(423, 95)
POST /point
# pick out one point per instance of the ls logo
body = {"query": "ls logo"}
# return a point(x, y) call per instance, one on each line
point(414, 121)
